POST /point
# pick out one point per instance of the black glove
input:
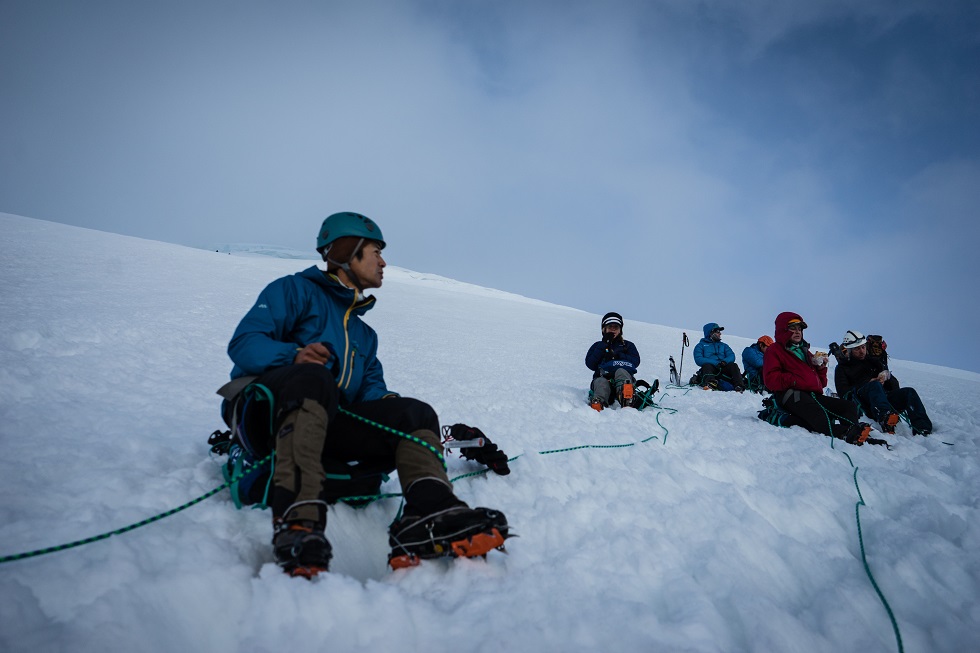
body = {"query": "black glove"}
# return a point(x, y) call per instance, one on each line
point(489, 454)
point(609, 338)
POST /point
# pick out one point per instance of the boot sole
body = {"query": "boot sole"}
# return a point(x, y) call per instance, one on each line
point(890, 423)
point(861, 439)
point(307, 572)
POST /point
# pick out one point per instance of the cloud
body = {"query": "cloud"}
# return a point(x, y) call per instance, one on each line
point(686, 161)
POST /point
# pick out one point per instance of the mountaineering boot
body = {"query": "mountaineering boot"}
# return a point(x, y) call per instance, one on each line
point(888, 424)
point(459, 532)
point(858, 433)
point(436, 524)
point(300, 548)
point(626, 395)
point(596, 405)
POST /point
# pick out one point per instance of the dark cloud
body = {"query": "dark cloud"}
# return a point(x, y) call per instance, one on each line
point(681, 162)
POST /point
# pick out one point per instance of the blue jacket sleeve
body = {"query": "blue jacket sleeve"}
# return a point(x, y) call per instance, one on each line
point(752, 359)
point(699, 357)
point(727, 354)
point(632, 354)
point(260, 341)
point(595, 354)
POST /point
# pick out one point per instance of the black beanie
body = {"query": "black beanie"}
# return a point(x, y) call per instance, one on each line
point(612, 318)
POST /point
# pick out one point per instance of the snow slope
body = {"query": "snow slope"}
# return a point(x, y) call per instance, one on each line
point(713, 532)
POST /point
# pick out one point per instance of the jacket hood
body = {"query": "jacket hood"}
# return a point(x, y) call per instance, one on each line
point(782, 321)
point(709, 327)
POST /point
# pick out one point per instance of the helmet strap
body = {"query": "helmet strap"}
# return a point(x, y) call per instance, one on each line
point(351, 276)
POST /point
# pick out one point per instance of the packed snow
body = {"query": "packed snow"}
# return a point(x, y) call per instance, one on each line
point(712, 531)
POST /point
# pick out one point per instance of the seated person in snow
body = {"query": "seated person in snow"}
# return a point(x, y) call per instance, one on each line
point(865, 380)
point(796, 378)
point(613, 361)
point(752, 357)
point(717, 360)
point(305, 344)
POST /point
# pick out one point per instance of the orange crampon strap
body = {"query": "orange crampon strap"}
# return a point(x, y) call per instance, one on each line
point(478, 545)
point(307, 572)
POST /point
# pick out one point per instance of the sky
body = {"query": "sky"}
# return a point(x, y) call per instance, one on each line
point(689, 527)
point(679, 162)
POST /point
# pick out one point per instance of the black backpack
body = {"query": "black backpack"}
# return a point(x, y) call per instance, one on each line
point(876, 349)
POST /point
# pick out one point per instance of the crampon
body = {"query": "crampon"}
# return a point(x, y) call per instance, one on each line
point(301, 549)
point(626, 395)
point(458, 532)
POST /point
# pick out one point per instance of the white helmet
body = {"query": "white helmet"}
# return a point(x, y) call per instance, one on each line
point(853, 339)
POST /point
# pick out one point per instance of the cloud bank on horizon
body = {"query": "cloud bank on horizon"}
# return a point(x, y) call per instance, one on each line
point(679, 162)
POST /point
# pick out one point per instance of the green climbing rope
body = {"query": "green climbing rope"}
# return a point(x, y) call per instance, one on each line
point(239, 476)
point(857, 517)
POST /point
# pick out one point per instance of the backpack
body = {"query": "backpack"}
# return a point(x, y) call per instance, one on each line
point(754, 383)
point(876, 349)
point(249, 479)
point(250, 415)
point(775, 415)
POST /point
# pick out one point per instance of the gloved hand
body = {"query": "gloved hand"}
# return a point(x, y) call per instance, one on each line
point(489, 454)
point(608, 355)
point(608, 337)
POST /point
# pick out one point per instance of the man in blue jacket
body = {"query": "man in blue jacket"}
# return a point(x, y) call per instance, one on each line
point(304, 342)
point(613, 361)
point(717, 360)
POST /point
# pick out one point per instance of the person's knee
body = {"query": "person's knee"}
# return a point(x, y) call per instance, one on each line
point(623, 374)
point(308, 381)
point(423, 415)
point(409, 415)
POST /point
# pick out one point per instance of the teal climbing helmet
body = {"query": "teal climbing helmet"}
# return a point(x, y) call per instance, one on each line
point(346, 223)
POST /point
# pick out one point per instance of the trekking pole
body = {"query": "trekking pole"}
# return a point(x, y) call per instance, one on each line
point(684, 343)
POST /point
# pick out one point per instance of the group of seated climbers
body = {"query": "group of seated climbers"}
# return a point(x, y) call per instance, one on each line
point(796, 377)
point(784, 366)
